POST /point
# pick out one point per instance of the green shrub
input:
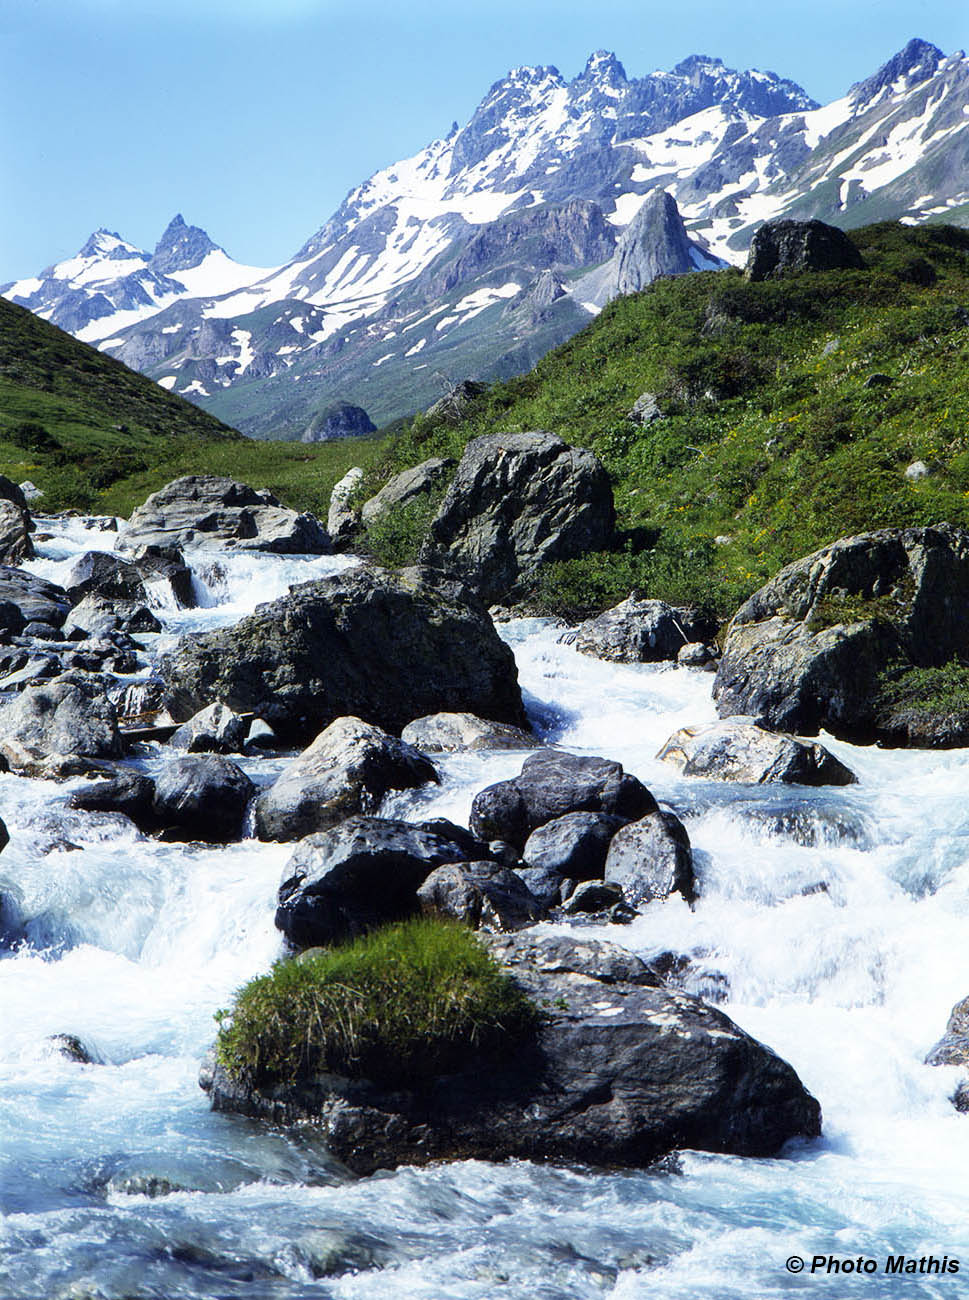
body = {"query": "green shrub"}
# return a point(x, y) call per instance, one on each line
point(31, 436)
point(938, 691)
point(401, 1004)
point(395, 536)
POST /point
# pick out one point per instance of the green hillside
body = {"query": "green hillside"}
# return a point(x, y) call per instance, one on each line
point(94, 435)
point(791, 410)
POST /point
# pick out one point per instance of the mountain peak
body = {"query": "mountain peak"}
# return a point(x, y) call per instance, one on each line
point(603, 66)
point(696, 63)
point(181, 247)
point(913, 64)
point(106, 243)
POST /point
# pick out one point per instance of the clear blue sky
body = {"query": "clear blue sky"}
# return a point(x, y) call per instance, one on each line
point(254, 117)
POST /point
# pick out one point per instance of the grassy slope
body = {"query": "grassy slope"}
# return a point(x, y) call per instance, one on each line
point(113, 436)
point(772, 437)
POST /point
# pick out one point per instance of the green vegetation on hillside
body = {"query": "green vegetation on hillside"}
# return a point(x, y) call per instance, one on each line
point(403, 1003)
point(791, 409)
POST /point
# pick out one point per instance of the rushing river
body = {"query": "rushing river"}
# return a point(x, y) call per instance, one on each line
point(833, 923)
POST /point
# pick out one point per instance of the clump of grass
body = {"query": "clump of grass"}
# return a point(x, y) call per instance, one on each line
point(398, 1005)
point(930, 691)
point(842, 608)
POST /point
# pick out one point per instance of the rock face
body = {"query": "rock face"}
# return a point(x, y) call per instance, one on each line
point(484, 895)
point(654, 243)
point(621, 1070)
point(640, 631)
point(68, 715)
point(782, 247)
point(204, 510)
point(347, 769)
point(806, 650)
point(409, 485)
point(519, 501)
point(651, 859)
point(384, 646)
point(364, 872)
point(202, 797)
point(342, 420)
point(550, 785)
point(739, 750)
point(449, 733)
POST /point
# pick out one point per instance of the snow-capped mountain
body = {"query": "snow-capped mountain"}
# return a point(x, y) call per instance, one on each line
point(501, 239)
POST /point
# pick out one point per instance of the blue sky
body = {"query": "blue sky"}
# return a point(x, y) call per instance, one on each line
point(254, 117)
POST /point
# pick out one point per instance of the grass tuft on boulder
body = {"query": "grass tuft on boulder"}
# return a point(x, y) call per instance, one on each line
point(401, 1004)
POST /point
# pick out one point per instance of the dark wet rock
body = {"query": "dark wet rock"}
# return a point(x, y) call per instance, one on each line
point(574, 845)
point(547, 887)
point(205, 510)
point(737, 749)
point(362, 873)
point(550, 785)
point(594, 896)
point(213, 730)
point(519, 501)
point(385, 646)
point(43, 632)
point(72, 1049)
point(165, 565)
point(121, 791)
point(619, 1072)
point(69, 715)
point(104, 574)
point(810, 649)
point(484, 895)
point(347, 769)
point(15, 529)
point(640, 631)
point(783, 247)
point(651, 859)
point(202, 797)
point(953, 1047)
point(449, 733)
point(408, 486)
point(36, 668)
point(34, 600)
point(811, 825)
point(98, 615)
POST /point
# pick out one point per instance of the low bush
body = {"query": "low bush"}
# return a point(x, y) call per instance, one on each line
point(404, 1003)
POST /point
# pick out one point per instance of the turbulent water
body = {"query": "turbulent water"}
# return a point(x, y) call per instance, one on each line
point(834, 924)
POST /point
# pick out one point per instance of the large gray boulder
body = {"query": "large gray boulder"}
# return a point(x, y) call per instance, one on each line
point(68, 715)
point(620, 1070)
point(25, 598)
point(737, 749)
point(640, 631)
point(202, 797)
point(385, 646)
point(99, 616)
point(213, 730)
point(810, 648)
point(361, 873)
point(517, 502)
point(573, 846)
point(550, 785)
point(450, 733)
point(205, 510)
point(347, 769)
point(782, 247)
point(484, 895)
point(651, 859)
point(407, 486)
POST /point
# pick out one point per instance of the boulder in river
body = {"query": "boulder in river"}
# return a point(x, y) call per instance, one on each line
point(551, 784)
point(202, 797)
point(15, 529)
point(651, 858)
point(737, 749)
point(449, 733)
point(953, 1047)
point(347, 769)
point(205, 510)
point(33, 600)
point(385, 646)
point(574, 845)
point(620, 1071)
point(97, 616)
point(484, 895)
point(364, 872)
point(213, 730)
point(812, 647)
point(66, 716)
point(640, 631)
point(519, 501)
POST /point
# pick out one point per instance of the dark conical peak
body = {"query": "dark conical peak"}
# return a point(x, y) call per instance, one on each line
point(181, 247)
point(912, 65)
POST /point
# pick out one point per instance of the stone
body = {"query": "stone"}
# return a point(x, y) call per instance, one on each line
point(213, 730)
point(69, 715)
point(916, 471)
point(164, 567)
point(340, 420)
point(204, 510)
point(456, 402)
point(783, 247)
point(645, 409)
point(385, 646)
point(640, 631)
point(347, 769)
point(953, 1047)
point(104, 574)
point(31, 492)
point(363, 872)
point(342, 519)
point(594, 896)
point(121, 791)
point(202, 797)
point(695, 654)
point(450, 733)
point(34, 600)
point(546, 886)
point(408, 486)
point(809, 648)
point(550, 785)
point(484, 895)
point(517, 502)
point(15, 529)
point(574, 845)
point(651, 859)
point(72, 1049)
point(619, 1072)
point(98, 616)
point(737, 749)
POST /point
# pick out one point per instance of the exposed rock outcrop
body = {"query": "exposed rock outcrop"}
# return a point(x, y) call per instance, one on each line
point(739, 750)
point(448, 733)
point(69, 715)
point(407, 486)
point(783, 247)
point(341, 420)
point(640, 631)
